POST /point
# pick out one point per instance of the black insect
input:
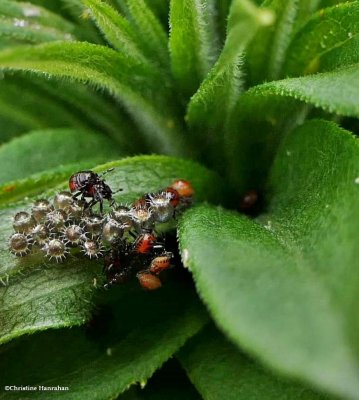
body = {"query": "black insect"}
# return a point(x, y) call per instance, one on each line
point(90, 184)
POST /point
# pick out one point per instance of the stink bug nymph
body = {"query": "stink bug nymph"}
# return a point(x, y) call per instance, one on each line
point(90, 184)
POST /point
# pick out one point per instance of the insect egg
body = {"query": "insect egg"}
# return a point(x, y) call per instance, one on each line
point(122, 215)
point(73, 234)
point(142, 214)
point(40, 234)
point(40, 209)
point(56, 249)
point(93, 225)
point(63, 200)
point(112, 231)
point(91, 248)
point(20, 244)
point(23, 222)
point(75, 210)
point(161, 206)
point(56, 220)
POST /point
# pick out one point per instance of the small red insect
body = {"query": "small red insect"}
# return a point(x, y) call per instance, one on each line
point(183, 187)
point(248, 201)
point(145, 242)
point(148, 281)
point(160, 263)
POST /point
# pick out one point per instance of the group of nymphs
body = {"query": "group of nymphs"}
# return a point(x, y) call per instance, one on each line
point(125, 236)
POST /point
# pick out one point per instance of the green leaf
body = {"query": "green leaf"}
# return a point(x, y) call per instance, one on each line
point(149, 30)
point(285, 288)
point(96, 110)
point(170, 382)
point(116, 28)
point(212, 105)
point(160, 8)
point(267, 112)
point(31, 13)
point(267, 50)
point(218, 370)
point(38, 183)
point(327, 30)
point(20, 99)
point(56, 295)
point(41, 150)
point(336, 91)
point(193, 42)
point(104, 68)
point(306, 8)
point(329, 3)
point(29, 32)
point(122, 346)
point(29, 23)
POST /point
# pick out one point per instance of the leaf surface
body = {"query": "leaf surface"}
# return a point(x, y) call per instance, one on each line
point(210, 108)
point(116, 28)
point(328, 29)
point(193, 42)
point(122, 345)
point(218, 370)
point(336, 91)
point(150, 31)
point(140, 89)
point(267, 50)
point(285, 287)
point(41, 150)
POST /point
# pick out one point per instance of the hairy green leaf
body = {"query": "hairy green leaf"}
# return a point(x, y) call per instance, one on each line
point(218, 370)
point(20, 99)
point(97, 110)
point(265, 113)
point(30, 13)
point(116, 28)
point(38, 183)
point(42, 150)
point(285, 288)
point(161, 9)
point(306, 8)
point(150, 31)
point(193, 42)
point(336, 91)
point(29, 32)
point(39, 294)
point(31, 24)
point(212, 105)
point(267, 50)
point(327, 30)
point(170, 382)
point(122, 346)
point(137, 87)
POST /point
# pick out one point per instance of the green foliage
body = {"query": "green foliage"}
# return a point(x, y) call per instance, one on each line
point(326, 30)
point(234, 85)
point(193, 42)
point(296, 268)
point(218, 370)
point(267, 53)
point(126, 351)
point(52, 148)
